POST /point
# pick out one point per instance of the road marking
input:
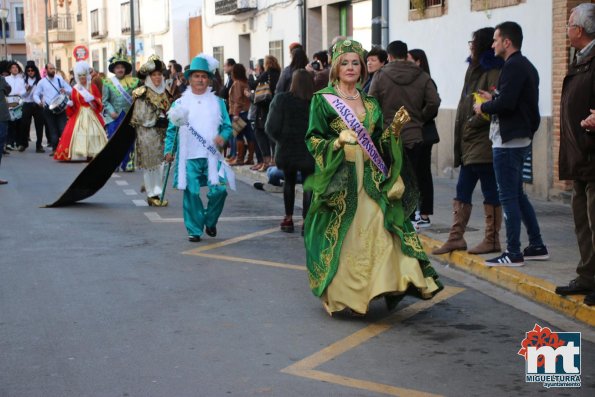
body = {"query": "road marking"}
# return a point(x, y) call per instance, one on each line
point(140, 203)
point(252, 261)
point(230, 241)
point(121, 183)
point(130, 192)
point(156, 218)
point(115, 176)
point(306, 367)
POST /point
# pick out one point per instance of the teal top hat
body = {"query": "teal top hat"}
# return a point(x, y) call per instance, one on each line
point(202, 63)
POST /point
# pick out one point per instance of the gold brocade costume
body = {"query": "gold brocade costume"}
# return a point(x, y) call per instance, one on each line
point(371, 261)
point(360, 244)
point(150, 121)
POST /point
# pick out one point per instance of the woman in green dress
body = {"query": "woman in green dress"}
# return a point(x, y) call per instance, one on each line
point(360, 244)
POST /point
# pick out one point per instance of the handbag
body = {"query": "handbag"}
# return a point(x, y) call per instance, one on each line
point(429, 133)
point(238, 126)
point(263, 93)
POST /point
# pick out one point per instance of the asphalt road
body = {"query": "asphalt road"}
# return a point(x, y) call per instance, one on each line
point(108, 298)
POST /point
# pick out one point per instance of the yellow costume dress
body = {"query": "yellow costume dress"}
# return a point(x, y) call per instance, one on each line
point(359, 242)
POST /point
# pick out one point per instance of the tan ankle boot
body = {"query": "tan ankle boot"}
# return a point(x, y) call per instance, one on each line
point(241, 151)
point(491, 240)
point(461, 213)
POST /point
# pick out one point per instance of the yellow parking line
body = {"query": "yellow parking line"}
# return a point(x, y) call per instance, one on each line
point(305, 368)
point(231, 241)
point(253, 261)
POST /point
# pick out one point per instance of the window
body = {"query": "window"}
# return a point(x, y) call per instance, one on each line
point(218, 55)
point(5, 31)
point(276, 50)
point(19, 18)
point(482, 5)
point(97, 20)
point(79, 11)
point(125, 16)
point(422, 9)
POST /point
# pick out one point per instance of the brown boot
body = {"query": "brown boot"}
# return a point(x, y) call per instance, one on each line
point(491, 240)
point(251, 148)
point(461, 213)
point(241, 151)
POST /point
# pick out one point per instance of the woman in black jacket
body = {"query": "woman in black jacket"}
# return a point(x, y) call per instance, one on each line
point(287, 125)
point(271, 73)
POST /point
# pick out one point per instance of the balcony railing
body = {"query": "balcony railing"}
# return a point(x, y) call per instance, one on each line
point(60, 28)
point(233, 7)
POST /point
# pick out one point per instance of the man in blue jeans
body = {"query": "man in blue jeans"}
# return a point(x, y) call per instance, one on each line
point(515, 118)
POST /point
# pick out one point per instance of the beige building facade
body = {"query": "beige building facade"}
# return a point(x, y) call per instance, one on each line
point(12, 38)
point(66, 27)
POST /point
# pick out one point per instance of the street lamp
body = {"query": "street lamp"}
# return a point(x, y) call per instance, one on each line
point(3, 17)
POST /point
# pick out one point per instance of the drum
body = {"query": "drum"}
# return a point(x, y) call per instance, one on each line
point(15, 106)
point(58, 104)
point(16, 112)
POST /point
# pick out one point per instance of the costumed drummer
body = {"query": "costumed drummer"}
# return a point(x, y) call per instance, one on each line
point(117, 100)
point(149, 118)
point(359, 242)
point(49, 89)
point(199, 125)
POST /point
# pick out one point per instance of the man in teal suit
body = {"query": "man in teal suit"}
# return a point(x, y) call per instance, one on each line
point(198, 126)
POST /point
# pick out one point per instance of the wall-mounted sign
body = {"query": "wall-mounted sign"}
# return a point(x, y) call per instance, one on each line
point(80, 52)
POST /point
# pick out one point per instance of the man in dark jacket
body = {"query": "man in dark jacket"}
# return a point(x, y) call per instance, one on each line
point(577, 146)
point(515, 118)
point(403, 83)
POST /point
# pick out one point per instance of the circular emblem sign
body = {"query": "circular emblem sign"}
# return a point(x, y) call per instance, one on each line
point(80, 53)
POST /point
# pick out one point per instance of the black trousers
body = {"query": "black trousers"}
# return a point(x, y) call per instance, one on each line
point(14, 130)
point(265, 144)
point(55, 124)
point(420, 157)
point(290, 174)
point(33, 111)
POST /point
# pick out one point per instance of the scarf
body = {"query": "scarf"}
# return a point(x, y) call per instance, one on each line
point(204, 118)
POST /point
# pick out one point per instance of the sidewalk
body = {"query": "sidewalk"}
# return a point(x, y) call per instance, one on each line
point(536, 280)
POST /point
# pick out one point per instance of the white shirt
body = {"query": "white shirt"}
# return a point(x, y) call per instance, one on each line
point(496, 138)
point(28, 97)
point(46, 92)
point(17, 85)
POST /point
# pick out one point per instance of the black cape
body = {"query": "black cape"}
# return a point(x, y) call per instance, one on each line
point(99, 170)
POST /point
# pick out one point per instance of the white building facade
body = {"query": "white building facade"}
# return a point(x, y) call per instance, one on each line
point(160, 26)
point(251, 31)
point(443, 32)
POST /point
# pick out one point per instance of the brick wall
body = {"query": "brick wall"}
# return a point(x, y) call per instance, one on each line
point(561, 58)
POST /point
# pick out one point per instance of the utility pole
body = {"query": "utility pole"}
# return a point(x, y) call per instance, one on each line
point(132, 42)
point(376, 22)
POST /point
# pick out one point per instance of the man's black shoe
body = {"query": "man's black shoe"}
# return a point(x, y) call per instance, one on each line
point(258, 185)
point(590, 299)
point(211, 231)
point(39, 150)
point(194, 239)
point(573, 288)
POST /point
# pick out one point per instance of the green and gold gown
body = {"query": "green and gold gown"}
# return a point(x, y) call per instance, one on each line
point(360, 244)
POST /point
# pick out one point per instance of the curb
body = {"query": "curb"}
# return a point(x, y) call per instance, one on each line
point(534, 288)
